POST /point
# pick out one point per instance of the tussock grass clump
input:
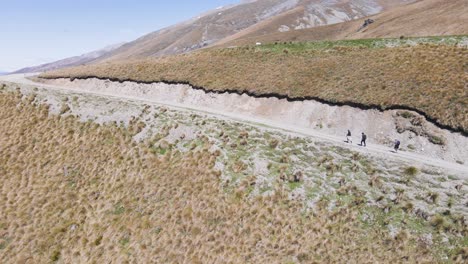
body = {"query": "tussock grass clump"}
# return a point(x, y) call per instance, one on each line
point(375, 181)
point(437, 140)
point(274, 143)
point(64, 109)
point(439, 221)
point(427, 77)
point(462, 255)
point(433, 196)
point(408, 207)
point(411, 171)
point(405, 114)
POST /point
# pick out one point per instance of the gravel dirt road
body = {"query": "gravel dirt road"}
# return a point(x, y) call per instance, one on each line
point(374, 149)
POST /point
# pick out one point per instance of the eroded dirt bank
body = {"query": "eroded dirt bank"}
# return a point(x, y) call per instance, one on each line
point(413, 130)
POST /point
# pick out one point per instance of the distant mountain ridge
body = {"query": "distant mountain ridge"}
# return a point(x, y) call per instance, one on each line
point(249, 18)
point(281, 15)
point(73, 61)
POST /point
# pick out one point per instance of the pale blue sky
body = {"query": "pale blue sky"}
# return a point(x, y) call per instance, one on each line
point(39, 31)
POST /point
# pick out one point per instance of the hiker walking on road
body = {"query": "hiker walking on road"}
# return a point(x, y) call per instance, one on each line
point(363, 139)
point(397, 145)
point(348, 137)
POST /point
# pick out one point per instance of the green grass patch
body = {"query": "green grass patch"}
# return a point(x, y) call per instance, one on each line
point(437, 140)
point(298, 47)
point(124, 241)
point(118, 209)
point(411, 171)
point(294, 185)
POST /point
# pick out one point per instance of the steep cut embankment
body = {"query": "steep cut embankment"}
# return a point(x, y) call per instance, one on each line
point(417, 134)
point(428, 78)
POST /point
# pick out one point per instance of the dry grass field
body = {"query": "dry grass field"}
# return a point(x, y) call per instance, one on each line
point(81, 192)
point(428, 77)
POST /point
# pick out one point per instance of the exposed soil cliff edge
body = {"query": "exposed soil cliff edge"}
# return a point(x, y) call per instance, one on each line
point(415, 132)
point(427, 77)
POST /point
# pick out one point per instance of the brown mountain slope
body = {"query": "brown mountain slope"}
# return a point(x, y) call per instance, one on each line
point(249, 18)
point(422, 18)
point(267, 15)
